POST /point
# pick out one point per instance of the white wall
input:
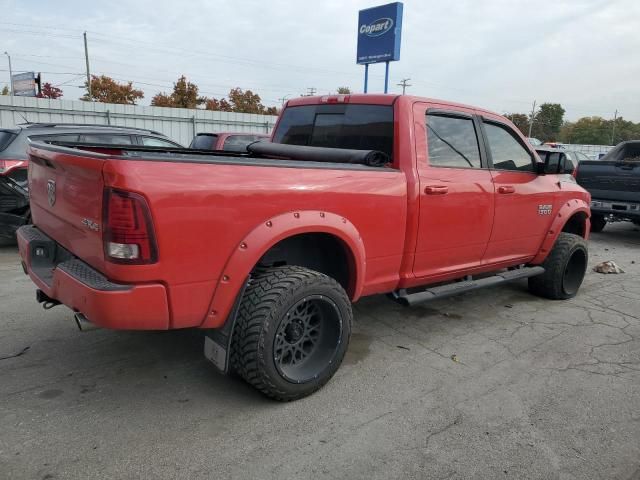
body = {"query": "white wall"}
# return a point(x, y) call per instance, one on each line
point(176, 123)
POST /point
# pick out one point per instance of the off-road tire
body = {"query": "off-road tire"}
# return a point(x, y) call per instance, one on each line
point(565, 268)
point(598, 223)
point(270, 295)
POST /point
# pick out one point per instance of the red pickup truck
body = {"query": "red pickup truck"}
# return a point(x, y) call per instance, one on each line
point(356, 195)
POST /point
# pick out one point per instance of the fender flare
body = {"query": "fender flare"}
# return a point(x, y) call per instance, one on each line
point(567, 210)
point(271, 231)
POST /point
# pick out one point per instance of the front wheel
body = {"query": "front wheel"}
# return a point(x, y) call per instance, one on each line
point(565, 268)
point(292, 331)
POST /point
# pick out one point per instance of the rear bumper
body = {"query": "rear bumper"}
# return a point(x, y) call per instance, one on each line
point(619, 209)
point(67, 279)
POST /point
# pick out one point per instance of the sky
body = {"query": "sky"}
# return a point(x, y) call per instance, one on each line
point(496, 54)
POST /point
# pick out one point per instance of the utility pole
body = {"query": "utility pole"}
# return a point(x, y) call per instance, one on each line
point(10, 75)
point(533, 112)
point(86, 59)
point(404, 84)
point(613, 129)
point(311, 91)
point(284, 99)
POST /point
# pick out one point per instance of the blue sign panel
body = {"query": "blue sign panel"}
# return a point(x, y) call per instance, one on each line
point(379, 31)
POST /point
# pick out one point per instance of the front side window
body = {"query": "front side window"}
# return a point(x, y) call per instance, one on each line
point(452, 142)
point(506, 151)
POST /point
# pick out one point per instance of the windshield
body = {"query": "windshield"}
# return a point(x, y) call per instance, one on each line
point(361, 127)
point(6, 138)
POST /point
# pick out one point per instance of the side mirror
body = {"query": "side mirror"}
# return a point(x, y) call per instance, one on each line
point(566, 166)
point(554, 163)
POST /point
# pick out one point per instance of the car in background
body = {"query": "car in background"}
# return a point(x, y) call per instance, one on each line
point(227, 141)
point(534, 141)
point(14, 192)
point(614, 184)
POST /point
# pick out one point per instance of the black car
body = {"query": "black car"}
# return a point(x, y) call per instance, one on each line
point(14, 195)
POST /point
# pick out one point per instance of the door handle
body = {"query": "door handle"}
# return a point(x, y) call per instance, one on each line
point(436, 190)
point(506, 189)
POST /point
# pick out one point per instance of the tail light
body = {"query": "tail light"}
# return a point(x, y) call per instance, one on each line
point(6, 165)
point(128, 233)
point(574, 174)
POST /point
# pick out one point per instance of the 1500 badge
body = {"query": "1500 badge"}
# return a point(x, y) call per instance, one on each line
point(90, 224)
point(545, 209)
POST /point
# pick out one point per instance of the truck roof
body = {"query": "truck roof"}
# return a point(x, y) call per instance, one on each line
point(376, 99)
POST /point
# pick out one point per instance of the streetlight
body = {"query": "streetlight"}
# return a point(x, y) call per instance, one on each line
point(10, 74)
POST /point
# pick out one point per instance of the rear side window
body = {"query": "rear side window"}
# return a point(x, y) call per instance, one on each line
point(54, 138)
point(506, 151)
point(107, 139)
point(204, 142)
point(452, 142)
point(5, 139)
point(361, 127)
point(238, 143)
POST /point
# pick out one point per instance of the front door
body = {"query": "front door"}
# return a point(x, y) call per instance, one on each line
point(524, 201)
point(456, 192)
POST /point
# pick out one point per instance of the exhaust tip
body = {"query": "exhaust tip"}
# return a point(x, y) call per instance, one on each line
point(83, 323)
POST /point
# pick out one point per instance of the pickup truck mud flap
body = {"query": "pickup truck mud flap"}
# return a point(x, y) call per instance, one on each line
point(217, 342)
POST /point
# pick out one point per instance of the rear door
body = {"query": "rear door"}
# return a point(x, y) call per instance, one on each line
point(456, 191)
point(524, 201)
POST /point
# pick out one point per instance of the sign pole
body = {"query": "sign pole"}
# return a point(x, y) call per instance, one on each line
point(366, 77)
point(386, 77)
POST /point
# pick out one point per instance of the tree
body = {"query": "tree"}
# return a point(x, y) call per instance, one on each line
point(344, 90)
point(221, 105)
point(240, 101)
point(598, 131)
point(162, 100)
point(49, 91)
point(520, 120)
point(548, 121)
point(245, 101)
point(184, 95)
point(107, 90)
point(5, 90)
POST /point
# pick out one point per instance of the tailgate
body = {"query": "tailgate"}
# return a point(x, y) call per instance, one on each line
point(66, 191)
point(610, 180)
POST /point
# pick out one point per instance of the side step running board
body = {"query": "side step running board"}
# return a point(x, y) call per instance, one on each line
point(410, 299)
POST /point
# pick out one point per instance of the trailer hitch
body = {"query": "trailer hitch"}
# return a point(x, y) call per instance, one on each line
point(46, 301)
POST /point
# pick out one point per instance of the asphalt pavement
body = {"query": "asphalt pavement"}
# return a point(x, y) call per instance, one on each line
point(494, 384)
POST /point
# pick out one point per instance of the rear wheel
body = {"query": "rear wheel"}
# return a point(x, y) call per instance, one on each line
point(564, 269)
point(598, 223)
point(292, 332)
